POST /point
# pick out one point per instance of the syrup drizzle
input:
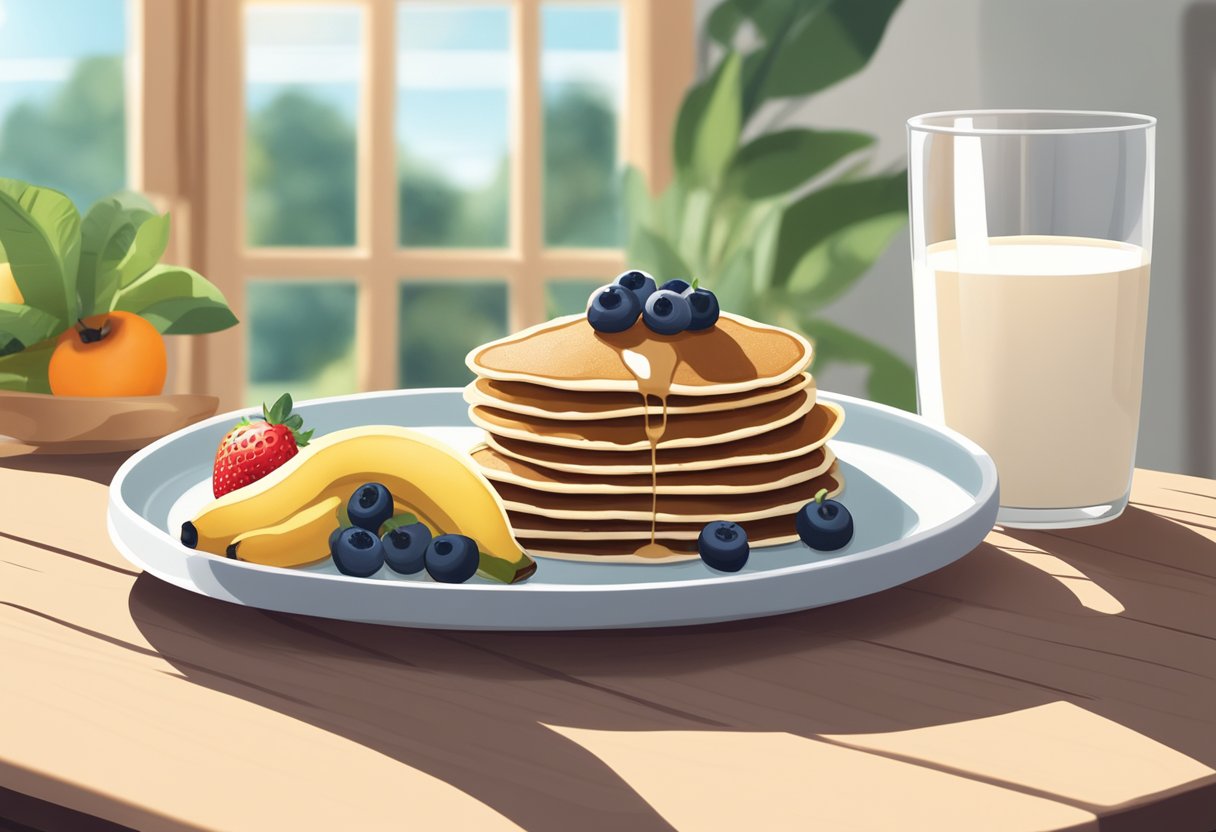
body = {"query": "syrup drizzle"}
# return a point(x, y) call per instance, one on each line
point(653, 365)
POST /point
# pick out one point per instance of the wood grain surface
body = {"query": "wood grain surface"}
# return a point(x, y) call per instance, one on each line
point(1045, 681)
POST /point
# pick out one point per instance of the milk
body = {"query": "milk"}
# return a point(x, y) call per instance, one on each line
point(1033, 346)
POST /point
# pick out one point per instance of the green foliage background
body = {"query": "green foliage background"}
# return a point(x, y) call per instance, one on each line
point(778, 223)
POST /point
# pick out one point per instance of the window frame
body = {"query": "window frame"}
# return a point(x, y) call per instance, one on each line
point(190, 148)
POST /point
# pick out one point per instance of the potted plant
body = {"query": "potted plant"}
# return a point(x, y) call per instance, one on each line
point(84, 305)
point(778, 222)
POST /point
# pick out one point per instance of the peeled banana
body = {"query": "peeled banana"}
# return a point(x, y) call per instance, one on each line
point(301, 539)
point(440, 485)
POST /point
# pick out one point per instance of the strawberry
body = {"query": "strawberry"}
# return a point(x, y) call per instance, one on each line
point(251, 450)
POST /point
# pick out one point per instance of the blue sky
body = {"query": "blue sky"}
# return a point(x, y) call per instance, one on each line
point(41, 40)
point(453, 77)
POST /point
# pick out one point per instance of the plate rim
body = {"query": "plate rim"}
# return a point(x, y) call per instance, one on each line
point(985, 497)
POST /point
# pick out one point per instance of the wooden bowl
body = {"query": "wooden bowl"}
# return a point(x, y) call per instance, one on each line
point(82, 425)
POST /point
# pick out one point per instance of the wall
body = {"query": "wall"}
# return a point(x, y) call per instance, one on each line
point(1092, 54)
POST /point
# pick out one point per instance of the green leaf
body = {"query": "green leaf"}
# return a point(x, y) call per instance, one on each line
point(638, 203)
point(891, 380)
point(709, 123)
point(733, 285)
point(694, 228)
point(189, 316)
point(397, 521)
point(726, 19)
point(831, 267)
point(26, 371)
point(777, 163)
point(654, 254)
point(132, 203)
point(27, 324)
point(767, 16)
point(40, 233)
point(177, 301)
point(826, 46)
point(764, 250)
point(278, 412)
point(820, 214)
point(106, 235)
point(151, 238)
point(668, 214)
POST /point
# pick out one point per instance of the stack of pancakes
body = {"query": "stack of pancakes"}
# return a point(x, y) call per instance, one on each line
point(567, 446)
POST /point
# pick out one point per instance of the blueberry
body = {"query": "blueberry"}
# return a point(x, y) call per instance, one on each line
point(333, 537)
point(678, 286)
point(357, 552)
point(370, 506)
point(613, 308)
point(824, 524)
point(638, 282)
point(723, 546)
point(451, 558)
point(667, 312)
point(705, 309)
point(405, 548)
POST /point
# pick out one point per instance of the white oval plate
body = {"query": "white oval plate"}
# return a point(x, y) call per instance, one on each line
point(921, 497)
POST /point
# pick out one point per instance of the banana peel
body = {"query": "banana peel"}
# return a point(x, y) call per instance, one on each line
point(300, 540)
point(440, 485)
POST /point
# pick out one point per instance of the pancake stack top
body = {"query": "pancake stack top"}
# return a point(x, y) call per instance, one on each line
point(620, 447)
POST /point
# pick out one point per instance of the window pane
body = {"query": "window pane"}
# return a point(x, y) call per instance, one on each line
point(62, 118)
point(303, 68)
point(440, 322)
point(566, 297)
point(582, 72)
point(454, 71)
point(301, 339)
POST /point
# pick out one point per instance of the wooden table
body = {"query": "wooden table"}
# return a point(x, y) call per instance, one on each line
point(1045, 681)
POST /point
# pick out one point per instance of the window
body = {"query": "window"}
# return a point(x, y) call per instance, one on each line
point(380, 185)
point(303, 80)
point(62, 95)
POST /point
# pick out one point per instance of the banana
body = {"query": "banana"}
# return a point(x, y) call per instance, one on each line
point(301, 539)
point(440, 485)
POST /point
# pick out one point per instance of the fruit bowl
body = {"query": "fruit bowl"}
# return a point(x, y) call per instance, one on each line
point(82, 425)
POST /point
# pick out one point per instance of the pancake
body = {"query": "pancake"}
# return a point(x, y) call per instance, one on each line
point(738, 480)
point(733, 356)
point(682, 545)
point(552, 403)
point(796, 439)
point(603, 541)
point(592, 551)
point(620, 447)
point(769, 531)
point(675, 508)
point(691, 430)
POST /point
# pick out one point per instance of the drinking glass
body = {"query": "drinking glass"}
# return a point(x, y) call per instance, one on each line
point(1031, 243)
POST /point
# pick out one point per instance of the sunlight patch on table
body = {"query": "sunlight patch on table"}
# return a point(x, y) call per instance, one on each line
point(1090, 594)
point(776, 781)
point(1059, 748)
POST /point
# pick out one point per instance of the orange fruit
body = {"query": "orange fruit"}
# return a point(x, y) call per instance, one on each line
point(113, 354)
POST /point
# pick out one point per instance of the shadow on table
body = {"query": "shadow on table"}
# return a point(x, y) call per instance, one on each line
point(469, 707)
point(96, 467)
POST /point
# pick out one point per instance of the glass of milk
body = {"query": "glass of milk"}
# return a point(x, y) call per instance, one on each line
point(1032, 237)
